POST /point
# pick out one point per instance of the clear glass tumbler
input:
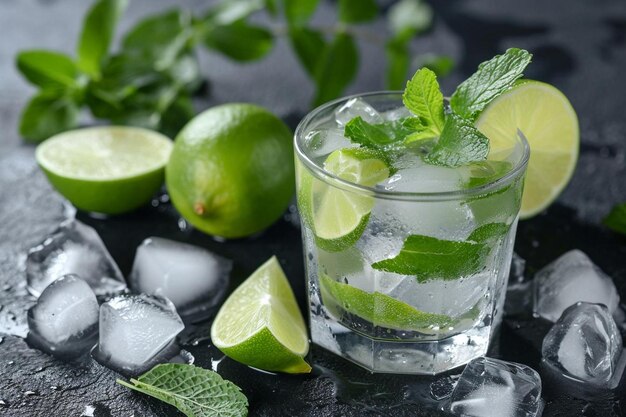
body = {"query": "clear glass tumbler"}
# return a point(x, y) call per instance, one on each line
point(407, 275)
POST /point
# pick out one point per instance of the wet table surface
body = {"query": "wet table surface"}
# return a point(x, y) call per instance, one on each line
point(579, 46)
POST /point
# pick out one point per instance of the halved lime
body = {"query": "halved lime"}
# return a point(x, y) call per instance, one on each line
point(549, 123)
point(380, 309)
point(260, 324)
point(108, 169)
point(338, 217)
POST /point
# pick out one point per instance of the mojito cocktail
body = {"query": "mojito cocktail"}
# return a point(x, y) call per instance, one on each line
point(407, 237)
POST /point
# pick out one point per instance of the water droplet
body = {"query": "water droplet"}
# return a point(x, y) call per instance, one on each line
point(1, 339)
point(29, 393)
point(215, 363)
point(2, 403)
point(39, 369)
point(183, 226)
point(6, 287)
point(10, 362)
point(54, 387)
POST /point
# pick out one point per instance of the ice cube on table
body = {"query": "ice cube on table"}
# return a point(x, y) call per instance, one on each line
point(192, 278)
point(137, 332)
point(584, 343)
point(495, 388)
point(572, 278)
point(64, 321)
point(74, 248)
point(357, 107)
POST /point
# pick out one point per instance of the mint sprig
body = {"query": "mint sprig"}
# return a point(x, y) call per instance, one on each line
point(377, 136)
point(492, 79)
point(429, 258)
point(196, 392)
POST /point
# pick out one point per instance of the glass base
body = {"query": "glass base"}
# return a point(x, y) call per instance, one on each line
point(428, 357)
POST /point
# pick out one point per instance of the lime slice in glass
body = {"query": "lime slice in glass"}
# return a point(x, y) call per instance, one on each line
point(105, 169)
point(380, 309)
point(337, 216)
point(260, 324)
point(549, 123)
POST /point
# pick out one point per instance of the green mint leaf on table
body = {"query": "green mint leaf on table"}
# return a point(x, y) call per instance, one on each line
point(460, 143)
point(240, 41)
point(194, 391)
point(431, 258)
point(492, 78)
point(309, 45)
point(485, 172)
point(423, 98)
point(298, 12)
point(47, 114)
point(357, 11)
point(616, 220)
point(97, 33)
point(336, 68)
point(47, 69)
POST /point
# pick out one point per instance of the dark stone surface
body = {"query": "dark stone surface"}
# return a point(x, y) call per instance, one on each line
point(579, 46)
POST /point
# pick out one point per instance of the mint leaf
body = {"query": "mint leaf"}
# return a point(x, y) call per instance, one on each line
point(97, 33)
point(195, 391)
point(460, 143)
point(488, 232)
point(375, 136)
point(357, 11)
point(616, 220)
point(398, 62)
point(406, 18)
point(47, 69)
point(230, 11)
point(298, 12)
point(431, 258)
point(47, 114)
point(240, 41)
point(492, 78)
point(308, 45)
point(423, 98)
point(485, 172)
point(337, 67)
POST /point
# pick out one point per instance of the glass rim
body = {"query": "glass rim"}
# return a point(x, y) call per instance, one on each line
point(323, 175)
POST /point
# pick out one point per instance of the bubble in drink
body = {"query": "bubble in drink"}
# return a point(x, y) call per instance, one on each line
point(357, 107)
point(584, 343)
point(572, 278)
point(137, 332)
point(64, 321)
point(495, 388)
point(74, 248)
point(192, 278)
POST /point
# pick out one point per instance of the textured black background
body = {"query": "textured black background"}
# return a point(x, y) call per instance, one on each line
point(579, 45)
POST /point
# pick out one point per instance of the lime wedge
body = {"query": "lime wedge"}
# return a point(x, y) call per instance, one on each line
point(338, 217)
point(105, 169)
point(379, 309)
point(549, 123)
point(260, 324)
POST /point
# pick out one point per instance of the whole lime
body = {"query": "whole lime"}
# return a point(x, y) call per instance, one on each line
point(231, 171)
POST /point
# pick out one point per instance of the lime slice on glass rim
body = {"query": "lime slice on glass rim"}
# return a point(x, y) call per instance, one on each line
point(338, 217)
point(260, 324)
point(548, 121)
point(107, 169)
